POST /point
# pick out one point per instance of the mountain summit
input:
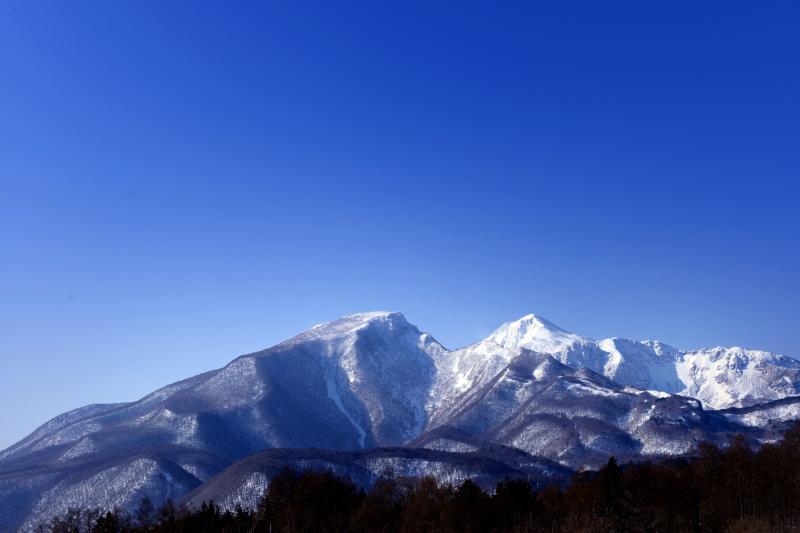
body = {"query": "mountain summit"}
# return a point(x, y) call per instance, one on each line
point(535, 333)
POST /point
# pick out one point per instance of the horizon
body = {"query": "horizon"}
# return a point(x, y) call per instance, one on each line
point(184, 183)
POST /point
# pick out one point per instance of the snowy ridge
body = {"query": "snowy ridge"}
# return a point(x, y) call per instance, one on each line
point(733, 377)
point(719, 377)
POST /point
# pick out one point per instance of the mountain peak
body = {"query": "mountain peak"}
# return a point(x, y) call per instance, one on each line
point(358, 320)
point(534, 333)
point(370, 316)
point(347, 325)
point(539, 321)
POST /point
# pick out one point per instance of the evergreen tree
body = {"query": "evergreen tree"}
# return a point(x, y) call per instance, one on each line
point(145, 515)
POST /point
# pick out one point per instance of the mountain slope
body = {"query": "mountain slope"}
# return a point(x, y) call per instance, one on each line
point(734, 377)
point(719, 377)
point(576, 417)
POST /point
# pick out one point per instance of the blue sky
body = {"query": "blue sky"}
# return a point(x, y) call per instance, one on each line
point(183, 182)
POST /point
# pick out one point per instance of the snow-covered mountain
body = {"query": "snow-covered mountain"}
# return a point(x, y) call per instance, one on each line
point(374, 380)
point(718, 377)
point(727, 377)
point(575, 417)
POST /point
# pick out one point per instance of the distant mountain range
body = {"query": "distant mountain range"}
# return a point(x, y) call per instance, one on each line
point(371, 393)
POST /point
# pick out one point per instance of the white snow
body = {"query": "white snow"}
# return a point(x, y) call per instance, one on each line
point(333, 394)
point(726, 377)
point(719, 377)
point(535, 333)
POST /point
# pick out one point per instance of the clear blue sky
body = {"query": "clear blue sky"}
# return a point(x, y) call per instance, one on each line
point(183, 182)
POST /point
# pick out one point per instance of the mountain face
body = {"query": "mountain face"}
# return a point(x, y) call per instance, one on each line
point(576, 417)
point(718, 377)
point(728, 377)
point(373, 380)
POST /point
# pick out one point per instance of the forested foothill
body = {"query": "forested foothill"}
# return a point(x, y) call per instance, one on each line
point(734, 489)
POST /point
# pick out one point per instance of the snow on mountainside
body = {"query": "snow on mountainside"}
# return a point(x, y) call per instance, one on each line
point(643, 364)
point(777, 415)
point(728, 377)
point(719, 377)
point(385, 362)
point(536, 334)
point(472, 367)
point(373, 379)
point(575, 417)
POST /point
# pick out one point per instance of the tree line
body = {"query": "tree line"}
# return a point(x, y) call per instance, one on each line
point(734, 489)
